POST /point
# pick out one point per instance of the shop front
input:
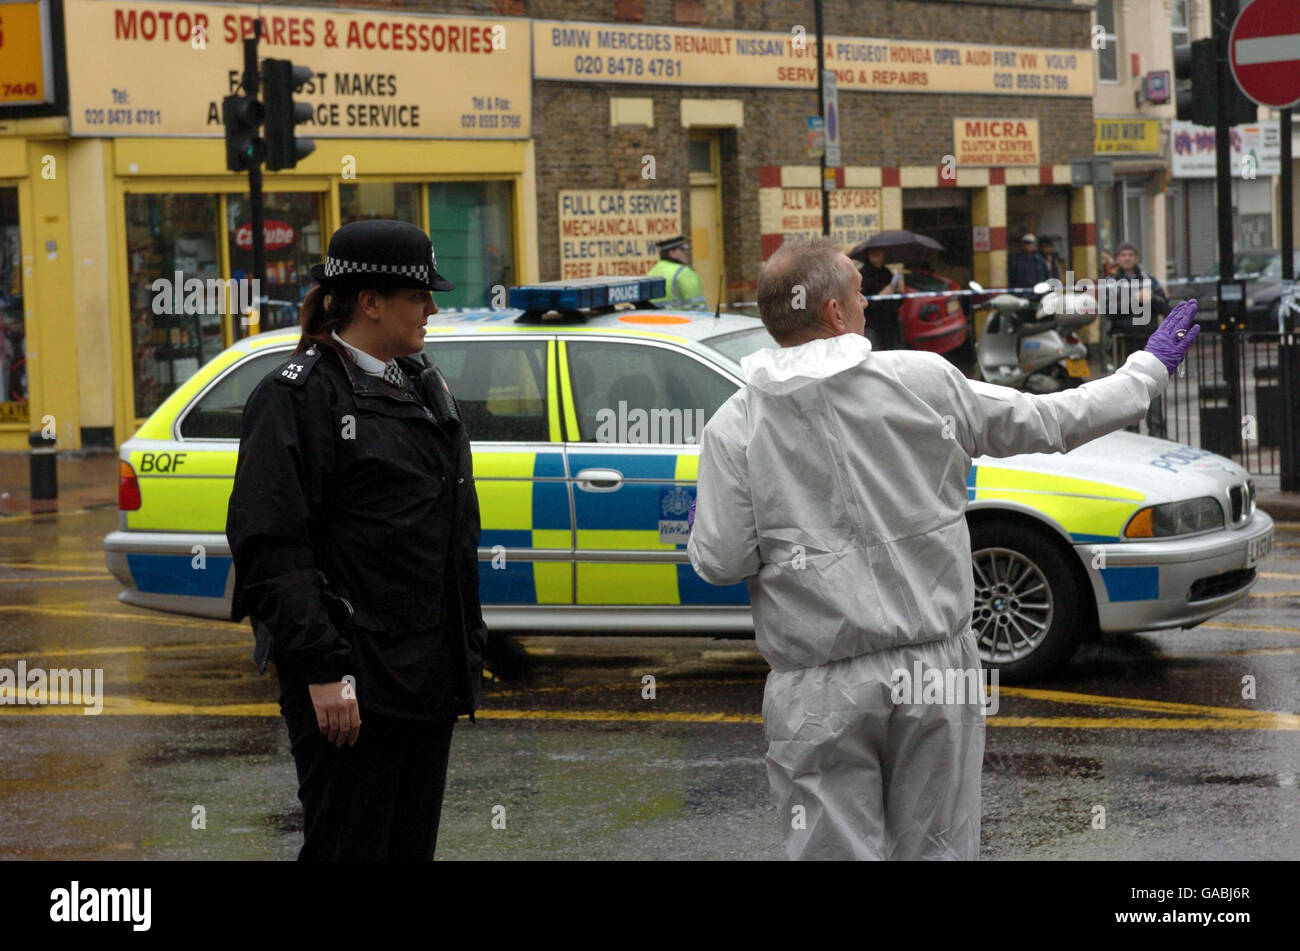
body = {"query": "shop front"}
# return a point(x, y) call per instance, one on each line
point(178, 237)
point(33, 223)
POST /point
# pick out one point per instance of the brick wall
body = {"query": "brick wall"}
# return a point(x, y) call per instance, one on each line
point(879, 129)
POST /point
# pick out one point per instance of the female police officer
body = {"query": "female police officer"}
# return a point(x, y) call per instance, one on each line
point(354, 527)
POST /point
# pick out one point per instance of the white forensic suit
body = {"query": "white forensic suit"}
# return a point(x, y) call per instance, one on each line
point(834, 483)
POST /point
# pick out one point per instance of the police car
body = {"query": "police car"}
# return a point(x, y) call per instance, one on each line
point(585, 432)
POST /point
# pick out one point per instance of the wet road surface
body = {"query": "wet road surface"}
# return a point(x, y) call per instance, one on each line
point(1143, 748)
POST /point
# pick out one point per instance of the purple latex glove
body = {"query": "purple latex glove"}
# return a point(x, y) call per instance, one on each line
point(690, 518)
point(1174, 336)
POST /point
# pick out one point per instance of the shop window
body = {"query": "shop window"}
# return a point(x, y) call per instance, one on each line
point(470, 226)
point(1179, 23)
point(702, 155)
point(1108, 55)
point(13, 333)
point(364, 200)
point(292, 224)
point(176, 297)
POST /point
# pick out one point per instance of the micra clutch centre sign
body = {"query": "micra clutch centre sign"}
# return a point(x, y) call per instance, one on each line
point(995, 141)
point(371, 72)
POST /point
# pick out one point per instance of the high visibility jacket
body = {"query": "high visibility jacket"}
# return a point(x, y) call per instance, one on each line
point(681, 285)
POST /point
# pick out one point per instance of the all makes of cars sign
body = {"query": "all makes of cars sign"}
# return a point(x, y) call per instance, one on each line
point(375, 75)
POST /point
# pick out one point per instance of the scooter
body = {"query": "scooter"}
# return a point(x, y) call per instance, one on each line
point(1033, 346)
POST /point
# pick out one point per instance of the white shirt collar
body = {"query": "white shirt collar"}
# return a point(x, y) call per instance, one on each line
point(372, 365)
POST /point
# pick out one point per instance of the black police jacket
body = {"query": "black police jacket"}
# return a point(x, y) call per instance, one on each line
point(354, 527)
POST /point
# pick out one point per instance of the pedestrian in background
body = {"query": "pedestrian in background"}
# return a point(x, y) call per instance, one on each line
point(1026, 268)
point(882, 315)
point(354, 528)
point(834, 483)
point(1048, 250)
point(682, 287)
point(1135, 311)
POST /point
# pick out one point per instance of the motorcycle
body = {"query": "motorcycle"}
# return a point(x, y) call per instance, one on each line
point(1034, 345)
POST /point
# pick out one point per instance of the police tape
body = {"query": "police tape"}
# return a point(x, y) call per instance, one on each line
point(989, 292)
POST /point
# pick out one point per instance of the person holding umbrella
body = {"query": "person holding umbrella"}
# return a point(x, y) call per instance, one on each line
point(903, 247)
point(882, 315)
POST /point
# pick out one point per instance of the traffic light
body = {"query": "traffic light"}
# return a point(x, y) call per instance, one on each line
point(1196, 82)
point(280, 80)
point(242, 117)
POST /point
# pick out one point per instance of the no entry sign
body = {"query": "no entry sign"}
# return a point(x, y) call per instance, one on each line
point(1264, 48)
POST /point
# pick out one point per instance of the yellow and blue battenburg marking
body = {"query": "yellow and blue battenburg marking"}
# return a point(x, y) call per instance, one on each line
point(523, 504)
point(647, 513)
point(1087, 511)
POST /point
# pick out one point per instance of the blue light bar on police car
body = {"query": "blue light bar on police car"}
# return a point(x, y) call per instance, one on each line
point(585, 294)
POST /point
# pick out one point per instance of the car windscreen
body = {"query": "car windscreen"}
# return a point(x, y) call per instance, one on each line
point(741, 343)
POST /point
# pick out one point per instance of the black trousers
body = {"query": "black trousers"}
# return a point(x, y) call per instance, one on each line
point(379, 800)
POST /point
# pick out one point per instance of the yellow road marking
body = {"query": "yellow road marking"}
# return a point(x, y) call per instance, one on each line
point(1264, 650)
point(169, 620)
point(46, 566)
point(136, 706)
point(1286, 524)
point(123, 649)
point(104, 577)
point(1136, 703)
point(1275, 594)
point(1286, 722)
point(8, 519)
point(1278, 574)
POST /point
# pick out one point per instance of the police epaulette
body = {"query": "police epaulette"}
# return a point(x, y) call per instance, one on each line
point(299, 365)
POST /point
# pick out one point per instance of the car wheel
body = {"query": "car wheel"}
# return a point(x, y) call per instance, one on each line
point(1027, 601)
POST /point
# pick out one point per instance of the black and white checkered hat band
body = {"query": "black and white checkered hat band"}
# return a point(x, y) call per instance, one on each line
point(336, 266)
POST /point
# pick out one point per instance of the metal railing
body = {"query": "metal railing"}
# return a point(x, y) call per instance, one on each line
point(1227, 397)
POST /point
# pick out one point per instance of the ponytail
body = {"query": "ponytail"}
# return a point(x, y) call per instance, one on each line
point(330, 307)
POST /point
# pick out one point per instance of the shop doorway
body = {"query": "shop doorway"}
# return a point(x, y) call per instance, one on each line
point(943, 214)
point(706, 213)
point(1044, 212)
point(13, 328)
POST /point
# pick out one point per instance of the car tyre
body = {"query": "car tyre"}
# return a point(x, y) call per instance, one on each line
point(1028, 606)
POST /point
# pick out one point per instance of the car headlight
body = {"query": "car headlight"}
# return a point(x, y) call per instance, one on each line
point(1176, 518)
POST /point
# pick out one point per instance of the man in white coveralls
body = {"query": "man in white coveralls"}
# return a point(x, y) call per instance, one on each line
point(834, 483)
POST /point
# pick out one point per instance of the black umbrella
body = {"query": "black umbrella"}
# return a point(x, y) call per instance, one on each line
point(900, 247)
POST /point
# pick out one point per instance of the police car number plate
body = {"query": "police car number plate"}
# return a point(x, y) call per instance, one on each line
point(1258, 548)
point(1078, 368)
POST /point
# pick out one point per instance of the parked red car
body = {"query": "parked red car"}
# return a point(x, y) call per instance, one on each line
point(937, 324)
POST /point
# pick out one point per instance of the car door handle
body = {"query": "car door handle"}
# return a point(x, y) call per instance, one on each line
point(599, 480)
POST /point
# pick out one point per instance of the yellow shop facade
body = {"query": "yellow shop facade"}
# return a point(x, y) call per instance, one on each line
point(123, 210)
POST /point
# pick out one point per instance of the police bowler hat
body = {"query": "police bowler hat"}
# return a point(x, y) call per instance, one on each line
point(398, 253)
